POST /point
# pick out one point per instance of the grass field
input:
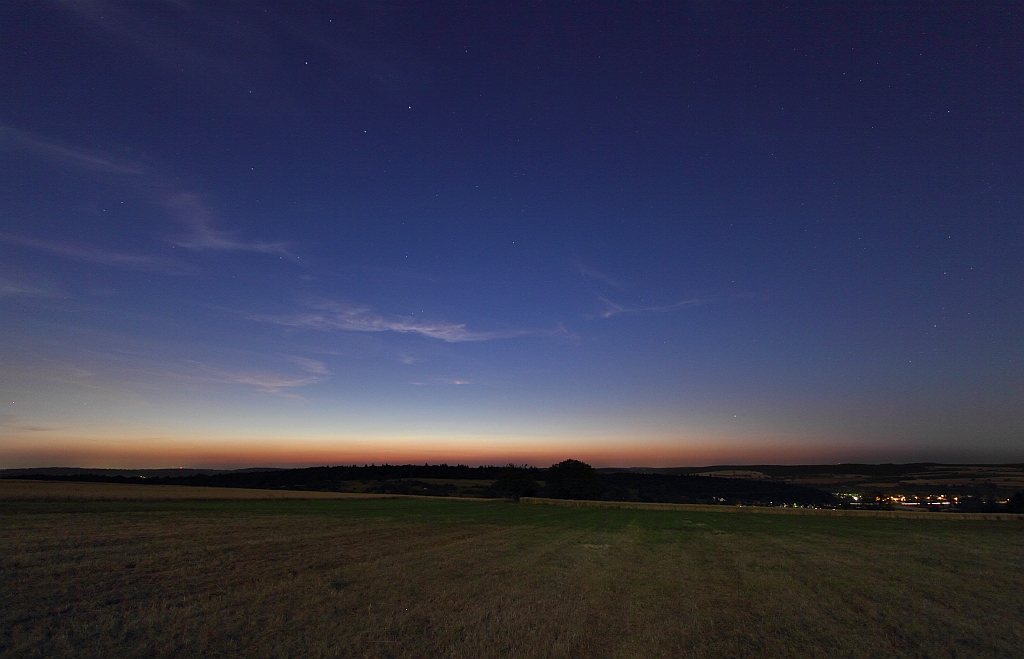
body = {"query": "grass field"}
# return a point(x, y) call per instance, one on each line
point(85, 575)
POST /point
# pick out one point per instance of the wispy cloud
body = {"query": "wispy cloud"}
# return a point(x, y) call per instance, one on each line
point(9, 423)
point(268, 382)
point(190, 210)
point(187, 209)
point(614, 309)
point(336, 316)
point(594, 274)
point(230, 48)
point(127, 21)
point(90, 254)
point(441, 381)
point(309, 365)
point(13, 138)
point(611, 309)
point(271, 383)
point(10, 288)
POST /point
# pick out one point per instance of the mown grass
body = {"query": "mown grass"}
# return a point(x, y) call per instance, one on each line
point(429, 578)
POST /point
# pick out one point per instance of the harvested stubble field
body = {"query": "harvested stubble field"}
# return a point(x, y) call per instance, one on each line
point(109, 575)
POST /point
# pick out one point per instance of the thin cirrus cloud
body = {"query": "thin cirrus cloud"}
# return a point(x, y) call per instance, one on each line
point(600, 276)
point(613, 309)
point(268, 382)
point(441, 381)
point(20, 140)
point(9, 423)
point(222, 50)
point(185, 208)
point(188, 209)
point(336, 316)
point(90, 254)
point(11, 288)
point(310, 365)
point(126, 22)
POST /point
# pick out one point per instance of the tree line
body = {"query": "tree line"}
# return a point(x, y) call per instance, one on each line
point(569, 479)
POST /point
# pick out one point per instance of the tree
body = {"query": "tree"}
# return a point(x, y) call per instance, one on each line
point(1016, 503)
point(572, 479)
point(514, 482)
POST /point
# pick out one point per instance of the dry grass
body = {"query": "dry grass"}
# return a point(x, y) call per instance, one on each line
point(418, 578)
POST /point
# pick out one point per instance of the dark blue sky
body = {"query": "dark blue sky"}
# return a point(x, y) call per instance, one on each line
point(270, 233)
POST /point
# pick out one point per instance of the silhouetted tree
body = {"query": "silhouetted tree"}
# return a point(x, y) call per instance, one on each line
point(572, 479)
point(514, 482)
point(1016, 503)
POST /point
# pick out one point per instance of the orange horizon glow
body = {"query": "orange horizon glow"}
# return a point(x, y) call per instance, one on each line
point(147, 453)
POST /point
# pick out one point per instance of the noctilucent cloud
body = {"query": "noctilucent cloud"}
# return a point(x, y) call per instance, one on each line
point(272, 233)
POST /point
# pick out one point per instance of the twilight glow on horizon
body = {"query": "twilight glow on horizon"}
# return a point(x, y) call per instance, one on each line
point(270, 233)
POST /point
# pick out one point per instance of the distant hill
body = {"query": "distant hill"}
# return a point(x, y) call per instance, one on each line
point(128, 473)
point(809, 485)
point(885, 470)
point(691, 488)
point(618, 486)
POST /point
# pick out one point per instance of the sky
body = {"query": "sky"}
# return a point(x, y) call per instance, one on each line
point(263, 233)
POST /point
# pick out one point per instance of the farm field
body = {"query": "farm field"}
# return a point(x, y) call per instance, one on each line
point(95, 571)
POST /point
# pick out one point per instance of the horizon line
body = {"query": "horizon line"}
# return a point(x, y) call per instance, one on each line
point(526, 465)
